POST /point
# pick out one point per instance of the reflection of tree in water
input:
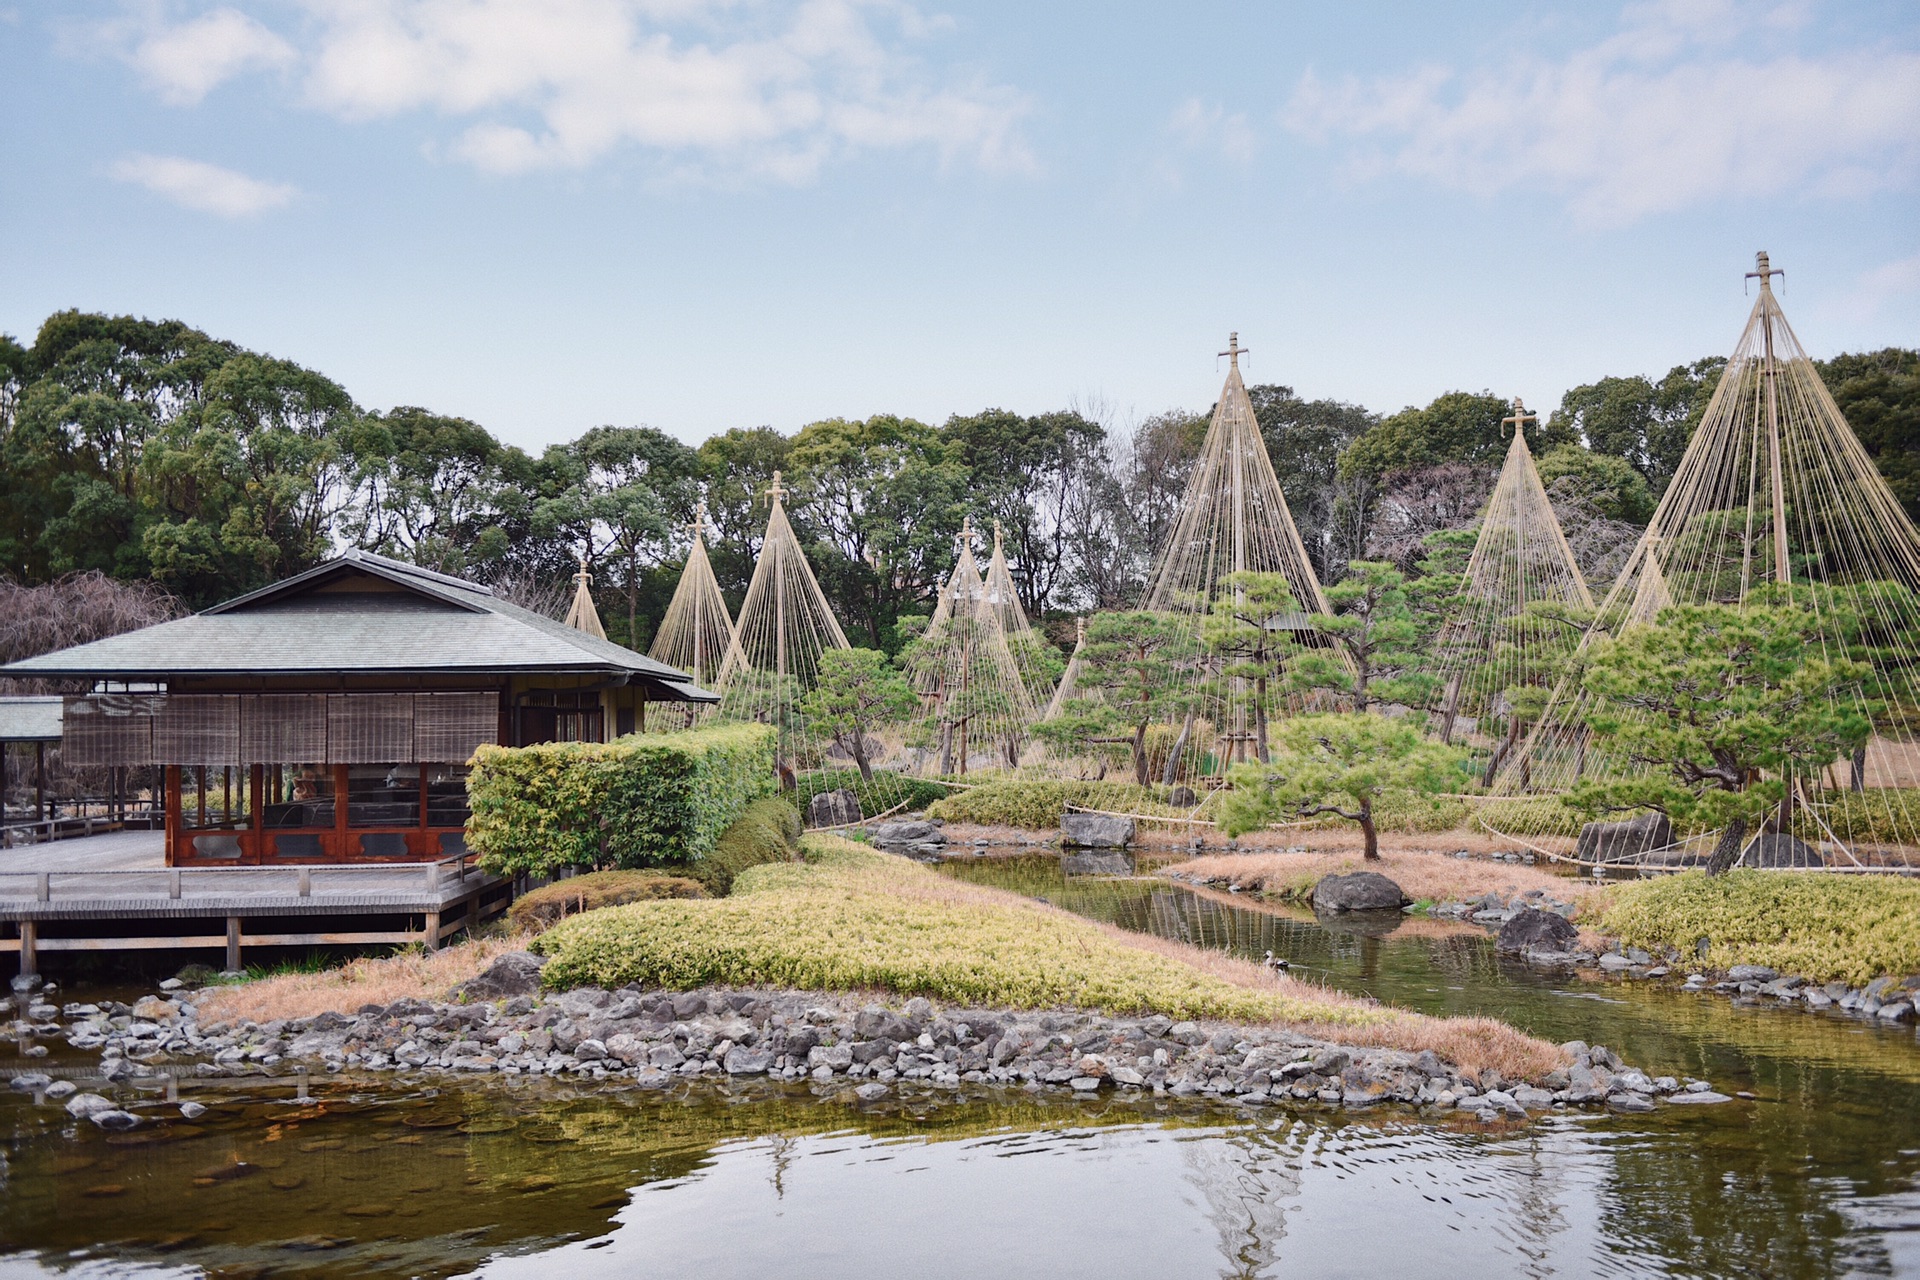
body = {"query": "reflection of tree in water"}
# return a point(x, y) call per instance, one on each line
point(1249, 1178)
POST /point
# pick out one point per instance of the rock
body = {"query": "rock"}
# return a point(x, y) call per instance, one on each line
point(1533, 930)
point(871, 1092)
point(1751, 973)
point(1096, 831)
point(82, 1105)
point(1898, 1011)
point(192, 1110)
point(1698, 1097)
point(1605, 841)
point(28, 1081)
point(916, 831)
point(1776, 850)
point(1629, 1102)
point(154, 1009)
point(834, 809)
point(60, 1089)
point(517, 973)
point(171, 984)
point(746, 1062)
point(1182, 798)
point(1361, 891)
point(114, 1120)
point(1107, 863)
point(1615, 963)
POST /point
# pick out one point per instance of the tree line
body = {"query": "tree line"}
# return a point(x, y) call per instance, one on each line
point(149, 451)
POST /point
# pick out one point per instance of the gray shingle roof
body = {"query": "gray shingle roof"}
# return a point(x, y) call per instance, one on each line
point(33, 719)
point(439, 625)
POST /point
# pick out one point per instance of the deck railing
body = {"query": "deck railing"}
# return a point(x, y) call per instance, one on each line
point(298, 881)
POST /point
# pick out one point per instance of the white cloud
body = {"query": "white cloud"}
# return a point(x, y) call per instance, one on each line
point(208, 188)
point(1886, 283)
point(1665, 114)
point(1209, 126)
point(774, 88)
point(184, 63)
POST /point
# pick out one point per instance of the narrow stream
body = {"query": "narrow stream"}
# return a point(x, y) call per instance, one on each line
point(1819, 1175)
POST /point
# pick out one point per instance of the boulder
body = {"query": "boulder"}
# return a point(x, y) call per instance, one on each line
point(1095, 831)
point(1608, 841)
point(1533, 930)
point(1182, 798)
point(517, 973)
point(834, 809)
point(1361, 891)
point(1775, 850)
point(916, 831)
point(154, 1009)
point(1113, 862)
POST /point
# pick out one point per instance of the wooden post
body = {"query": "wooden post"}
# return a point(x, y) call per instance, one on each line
point(433, 930)
point(29, 948)
point(306, 882)
point(173, 882)
point(233, 942)
point(39, 782)
point(43, 887)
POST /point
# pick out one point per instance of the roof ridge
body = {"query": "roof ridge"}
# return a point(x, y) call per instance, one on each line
point(418, 571)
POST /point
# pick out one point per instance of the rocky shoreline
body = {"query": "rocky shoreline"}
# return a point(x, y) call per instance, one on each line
point(1520, 929)
point(645, 1039)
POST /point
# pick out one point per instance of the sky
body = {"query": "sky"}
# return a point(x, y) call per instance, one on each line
point(547, 215)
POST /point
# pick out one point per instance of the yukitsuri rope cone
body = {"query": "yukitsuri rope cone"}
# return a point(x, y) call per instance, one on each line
point(1039, 753)
point(975, 708)
point(1233, 518)
point(785, 623)
point(1001, 596)
point(581, 615)
point(697, 633)
point(1522, 597)
point(1775, 488)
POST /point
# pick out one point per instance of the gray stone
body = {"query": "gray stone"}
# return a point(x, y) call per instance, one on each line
point(1182, 798)
point(1630, 1102)
point(1533, 930)
point(61, 1089)
point(834, 809)
point(517, 973)
point(113, 1120)
point(1115, 862)
point(1776, 850)
point(1615, 963)
point(1700, 1097)
point(82, 1105)
point(917, 831)
point(1898, 1011)
point(871, 1092)
point(1361, 891)
point(1096, 831)
point(745, 1062)
point(1605, 841)
point(29, 1081)
point(192, 1110)
point(1751, 973)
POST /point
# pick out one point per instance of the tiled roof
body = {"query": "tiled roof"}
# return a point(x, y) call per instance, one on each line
point(439, 625)
point(30, 719)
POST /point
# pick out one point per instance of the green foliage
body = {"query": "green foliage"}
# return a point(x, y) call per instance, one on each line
point(1879, 395)
point(1821, 926)
point(1607, 483)
point(1645, 423)
point(851, 919)
point(857, 694)
point(1341, 766)
point(1037, 805)
point(1457, 427)
point(1245, 627)
point(1375, 639)
point(1134, 672)
point(766, 831)
point(1877, 815)
point(546, 906)
point(886, 790)
point(1710, 695)
point(645, 800)
point(1530, 816)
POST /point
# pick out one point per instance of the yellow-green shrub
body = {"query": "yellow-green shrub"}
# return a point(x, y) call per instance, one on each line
point(1038, 804)
point(766, 831)
point(849, 919)
point(1815, 924)
point(1879, 815)
point(640, 801)
point(546, 906)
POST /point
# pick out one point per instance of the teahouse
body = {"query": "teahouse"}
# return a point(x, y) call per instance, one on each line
point(329, 717)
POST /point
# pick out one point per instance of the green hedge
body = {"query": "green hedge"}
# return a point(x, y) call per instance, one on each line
point(1037, 805)
point(644, 800)
point(767, 831)
point(876, 797)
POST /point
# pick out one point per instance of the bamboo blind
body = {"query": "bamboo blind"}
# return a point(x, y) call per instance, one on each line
point(198, 729)
point(285, 728)
point(108, 730)
point(369, 728)
point(448, 726)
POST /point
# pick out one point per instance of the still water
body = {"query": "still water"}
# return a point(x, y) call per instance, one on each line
point(1818, 1175)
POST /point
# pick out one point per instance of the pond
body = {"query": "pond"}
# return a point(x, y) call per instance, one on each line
point(1817, 1175)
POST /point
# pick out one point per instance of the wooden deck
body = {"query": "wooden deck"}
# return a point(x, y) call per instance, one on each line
point(116, 893)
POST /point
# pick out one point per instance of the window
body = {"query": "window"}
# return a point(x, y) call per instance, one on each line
point(298, 795)
point(211, 797)
point(447, 795)
point(383, 795)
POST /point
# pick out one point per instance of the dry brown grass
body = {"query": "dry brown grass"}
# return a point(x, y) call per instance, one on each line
point(1342, 839)
point(1424, 876)
point(417, 975)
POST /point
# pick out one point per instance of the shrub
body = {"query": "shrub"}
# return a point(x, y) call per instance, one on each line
point(876, 797)
point(767, 831)
point(1529, 816)
point(1039, 804)
point(1880, 815)
point(1815, 924)
point(850, 918)
point(549, 904)
point(640, 801)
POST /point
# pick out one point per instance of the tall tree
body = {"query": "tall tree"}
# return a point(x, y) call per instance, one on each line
point(1305, 439)
point(1373, 642)
point(1635, 418)
point(735, 468)
point(1247, 628)
point(430, 488)
point(1457, 427)
point(1023, 473)
point(1136, 671)
point(1879, 393)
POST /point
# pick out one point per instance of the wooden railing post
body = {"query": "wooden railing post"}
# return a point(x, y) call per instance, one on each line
point(173, 882)
point(233, 943)
point(306, 882)
point(43, 887)
point(29, 948)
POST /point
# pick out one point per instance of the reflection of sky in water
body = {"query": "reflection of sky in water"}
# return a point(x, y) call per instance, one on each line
point(1283, 1197)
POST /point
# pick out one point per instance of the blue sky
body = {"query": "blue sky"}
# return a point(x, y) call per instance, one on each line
point(699, 214)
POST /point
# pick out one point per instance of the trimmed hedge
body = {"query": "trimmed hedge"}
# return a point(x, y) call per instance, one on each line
point(766, 831)
point(1037, 805)
point(644, 800)
point(551, 903)
point(876, 797)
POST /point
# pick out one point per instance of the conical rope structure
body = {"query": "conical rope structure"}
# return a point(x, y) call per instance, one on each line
point(1001, 596)
point(785, 624)
point(976, 711)
point(1233, 518)
point(1505, 634)
point(1068, 687)
point(581, 615)
point(696, 635)
point(1774, 493)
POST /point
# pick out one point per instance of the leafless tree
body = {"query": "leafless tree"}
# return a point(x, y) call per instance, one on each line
point(1424, 500)
point(76, 609)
